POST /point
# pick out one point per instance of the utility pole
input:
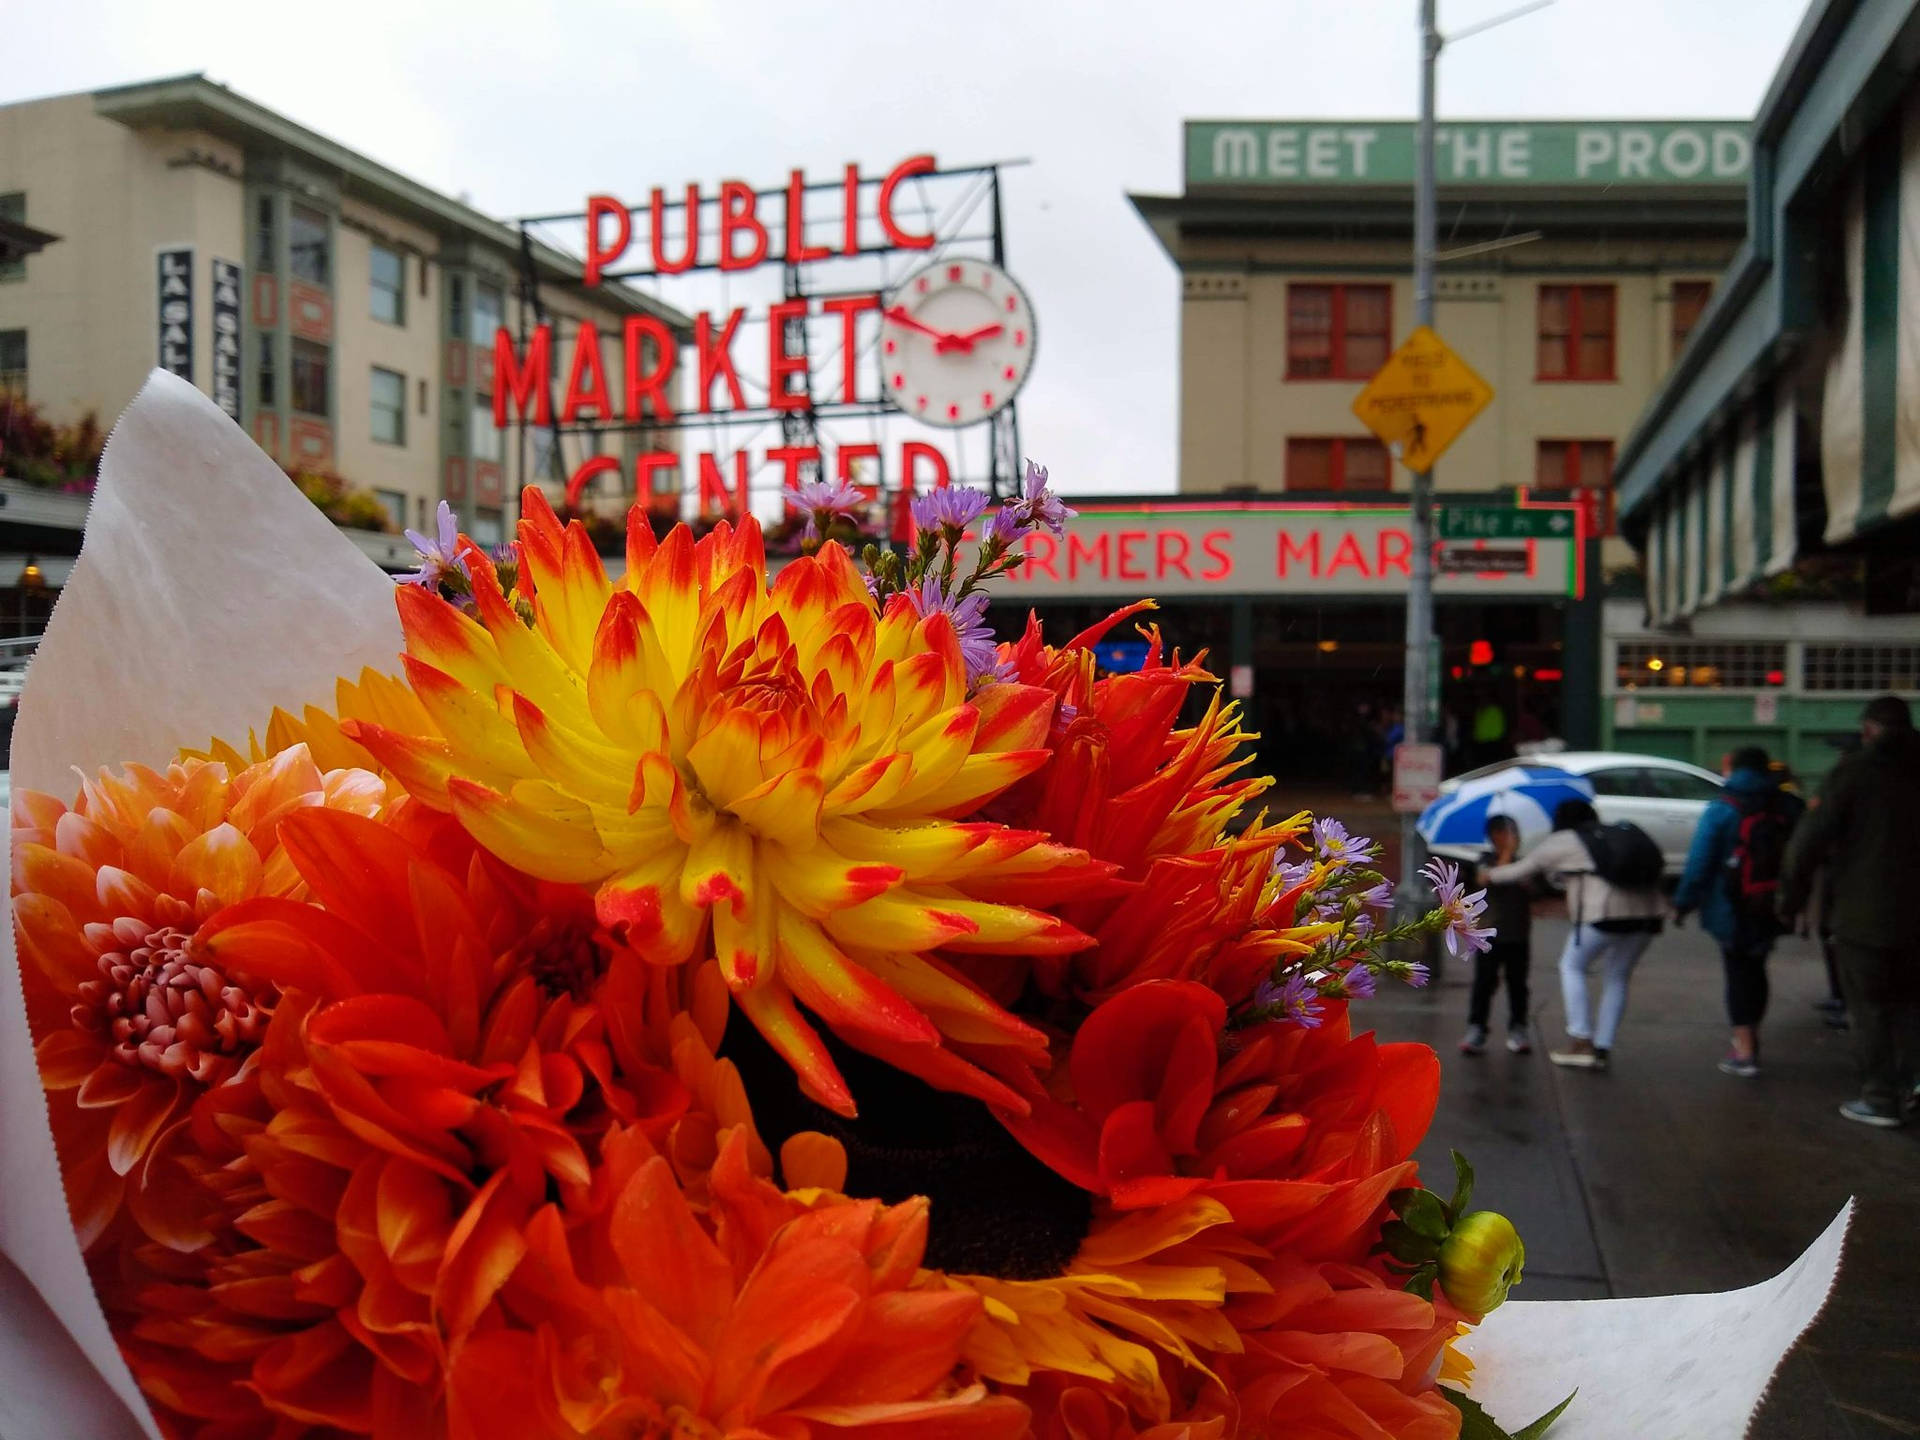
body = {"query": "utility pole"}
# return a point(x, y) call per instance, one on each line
point(1417, 721)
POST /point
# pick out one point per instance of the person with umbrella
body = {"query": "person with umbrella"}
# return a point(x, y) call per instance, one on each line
point(1616, 911)
point(1510, 913)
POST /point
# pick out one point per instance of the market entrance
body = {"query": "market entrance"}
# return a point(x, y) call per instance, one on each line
point(1327, 686)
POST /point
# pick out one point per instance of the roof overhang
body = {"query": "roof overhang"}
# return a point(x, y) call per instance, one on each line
point(192, 102)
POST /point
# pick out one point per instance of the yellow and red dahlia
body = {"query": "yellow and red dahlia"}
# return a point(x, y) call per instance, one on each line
point(773, 772)
point(133, 1019)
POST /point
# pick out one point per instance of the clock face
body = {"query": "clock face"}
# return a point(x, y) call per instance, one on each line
point(956, 342)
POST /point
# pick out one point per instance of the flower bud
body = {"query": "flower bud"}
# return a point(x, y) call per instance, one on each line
point(1480, 1261)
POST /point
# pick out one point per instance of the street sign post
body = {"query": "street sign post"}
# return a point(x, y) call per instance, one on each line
point(1497, 522)
point(1416, 776)
point(1421, 399)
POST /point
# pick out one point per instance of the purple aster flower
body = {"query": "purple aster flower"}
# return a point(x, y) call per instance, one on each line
point(1358, 982)
point(822, 503)
point(1335, 846)
point(1290, 875)
point(1326, 910)
point(1417, 975)
point(1461, 909)
point(439, 554)
point(948, 507)
point(1007, 527)
point(1295, 998)
point(1038, 507)
point(978, 648)
point(1361, 927)
point(1379, 897)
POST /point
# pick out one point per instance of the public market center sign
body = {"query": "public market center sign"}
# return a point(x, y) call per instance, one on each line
point(1495, 152)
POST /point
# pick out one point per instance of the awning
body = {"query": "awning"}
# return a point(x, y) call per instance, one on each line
point(1870, 420)
point(1729, 520)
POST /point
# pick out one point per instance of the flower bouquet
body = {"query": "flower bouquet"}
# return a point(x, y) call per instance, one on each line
point(716, 1000)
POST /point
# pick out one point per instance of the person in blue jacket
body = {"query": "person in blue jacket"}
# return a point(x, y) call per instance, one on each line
point(1732, 878)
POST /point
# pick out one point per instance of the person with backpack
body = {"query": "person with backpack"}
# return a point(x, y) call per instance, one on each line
point(1867, 829)
point(1733, 879)
point(1611, 876)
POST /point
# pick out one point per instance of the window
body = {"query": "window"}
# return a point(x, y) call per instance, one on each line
point(1621, 780)
point(1882, 669)
point(1700, 665)
point(13, 361)
point(489, 528)
point(487, 310)
point(1338, 332)
point(389, 407)
point(423, 397)
point(310, 377)
point(1337, 463)
point(388, 272)
point(1576, 332)
point(309, 245)
point(1682, 784)
point(13, 206)
point(1577, 465)
point(395, 502)
point(266, 392)
point(544, 456)
point(483, 441)
point(265, 256)
point(1689, 299)
point(456, 305)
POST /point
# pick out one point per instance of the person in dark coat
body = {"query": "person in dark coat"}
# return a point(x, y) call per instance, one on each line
point(1711, 883)
point(1510, 913)
point(1867, 827)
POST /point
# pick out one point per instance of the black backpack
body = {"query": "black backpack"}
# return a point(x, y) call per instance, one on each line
point(1624, 855)
point(1758, 856)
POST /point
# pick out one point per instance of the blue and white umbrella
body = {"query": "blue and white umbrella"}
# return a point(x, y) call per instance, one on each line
point(1528, 794)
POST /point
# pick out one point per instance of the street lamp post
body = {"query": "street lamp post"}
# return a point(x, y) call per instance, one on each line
point(1417, 721)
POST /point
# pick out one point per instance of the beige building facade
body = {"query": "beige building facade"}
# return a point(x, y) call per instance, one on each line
point(341, 313)
point(1568, 286)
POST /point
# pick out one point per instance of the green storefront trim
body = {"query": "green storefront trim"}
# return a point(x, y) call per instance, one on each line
point(1701, 726)
point(1879, 325)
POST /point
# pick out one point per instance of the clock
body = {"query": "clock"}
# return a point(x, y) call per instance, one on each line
point(956, 342)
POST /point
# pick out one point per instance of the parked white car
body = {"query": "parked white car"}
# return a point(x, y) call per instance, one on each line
point(1663, 797)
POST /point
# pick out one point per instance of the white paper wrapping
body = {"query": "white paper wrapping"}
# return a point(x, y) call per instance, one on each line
point(208, 591)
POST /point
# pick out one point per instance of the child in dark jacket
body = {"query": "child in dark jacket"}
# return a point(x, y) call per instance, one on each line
point(1510, 912)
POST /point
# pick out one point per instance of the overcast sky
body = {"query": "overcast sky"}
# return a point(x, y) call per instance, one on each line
point(528, 107)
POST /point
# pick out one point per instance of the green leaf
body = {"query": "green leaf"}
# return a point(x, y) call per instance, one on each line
point(1422, 1282)
point(1539, 1427)
point(1476, 1424)
point(1463, 1186)
point(1425, 1215)
point(1405, 1244)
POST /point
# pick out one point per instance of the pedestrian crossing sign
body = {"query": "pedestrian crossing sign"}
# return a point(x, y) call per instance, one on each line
point(1421, 399)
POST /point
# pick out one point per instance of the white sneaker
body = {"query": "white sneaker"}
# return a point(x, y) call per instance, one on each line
point(1519, 1041)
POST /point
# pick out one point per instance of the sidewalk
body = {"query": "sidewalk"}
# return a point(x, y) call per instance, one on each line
point(1665, 1176)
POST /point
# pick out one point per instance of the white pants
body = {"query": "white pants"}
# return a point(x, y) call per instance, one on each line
point(1617, 954)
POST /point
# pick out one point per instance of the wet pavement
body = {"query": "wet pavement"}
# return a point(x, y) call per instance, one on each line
point(1663, 1176)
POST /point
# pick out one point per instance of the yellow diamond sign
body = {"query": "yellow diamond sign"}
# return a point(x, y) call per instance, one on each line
point(1421, 399)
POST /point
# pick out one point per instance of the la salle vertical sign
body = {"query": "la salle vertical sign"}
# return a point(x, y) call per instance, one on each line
point(226, 337)
point(175, 312)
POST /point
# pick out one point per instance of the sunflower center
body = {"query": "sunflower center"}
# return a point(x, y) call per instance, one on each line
point(162, 1009)
point(996, 1210)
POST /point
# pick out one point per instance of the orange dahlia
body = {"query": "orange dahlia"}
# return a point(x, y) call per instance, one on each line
point(438, 1071)
point(777, 768)
point(773, 1318)
point(134, 1020)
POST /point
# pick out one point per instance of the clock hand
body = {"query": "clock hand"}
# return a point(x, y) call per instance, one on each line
point(899, 315)
point(965, 343)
